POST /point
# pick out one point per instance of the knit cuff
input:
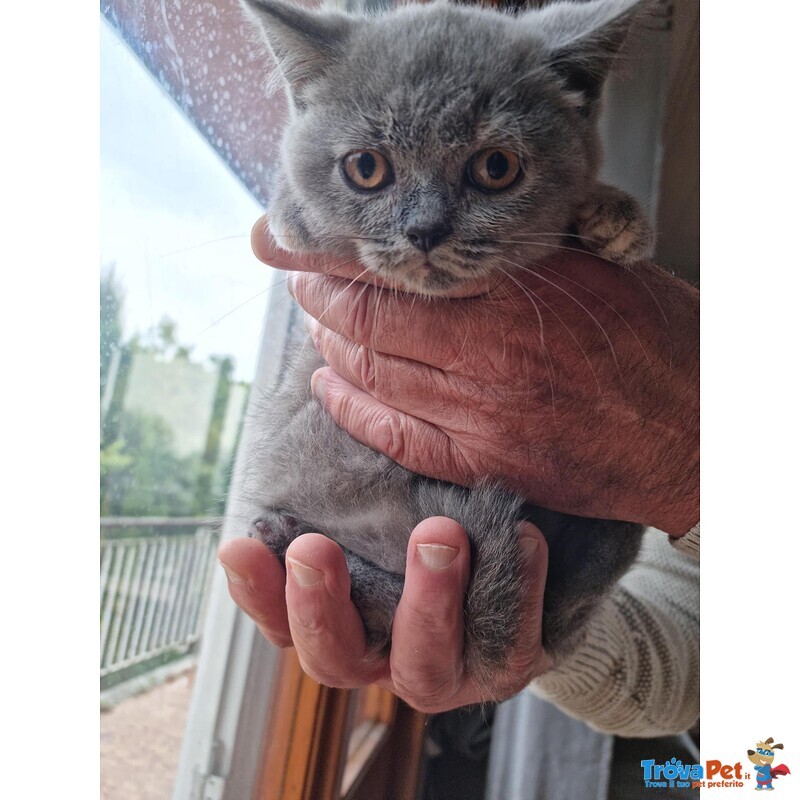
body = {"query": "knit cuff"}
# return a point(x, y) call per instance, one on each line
point(689, 543)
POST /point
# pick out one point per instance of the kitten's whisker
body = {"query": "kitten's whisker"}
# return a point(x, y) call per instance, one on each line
point(550, 245)
point(605, 303)
point(545, 352)
point(578, 302)
point(307, 338)
point(560, 235)
point(376, 313)
point(342, 292)
point(650, 292)
point(205, 244)
point(330, 236)
point(232, 311)
point(413, 303)
point(567, 329)
point(658, 306)
point(318, 275)
point(287, 298)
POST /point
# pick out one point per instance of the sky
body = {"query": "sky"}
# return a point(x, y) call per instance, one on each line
point(174, 219)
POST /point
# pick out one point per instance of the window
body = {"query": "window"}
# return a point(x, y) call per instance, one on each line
point(182, 305)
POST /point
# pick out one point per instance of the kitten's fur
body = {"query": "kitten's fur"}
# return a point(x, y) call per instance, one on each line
point(429, 86)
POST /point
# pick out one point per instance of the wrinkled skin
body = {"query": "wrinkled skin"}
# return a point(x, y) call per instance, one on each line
point(621, 362)
point(312, 611)
point(656, 405)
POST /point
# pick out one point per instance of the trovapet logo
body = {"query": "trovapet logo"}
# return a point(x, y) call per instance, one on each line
point(674, 774)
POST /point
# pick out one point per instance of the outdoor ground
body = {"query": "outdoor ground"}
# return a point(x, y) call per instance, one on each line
point(140, 742)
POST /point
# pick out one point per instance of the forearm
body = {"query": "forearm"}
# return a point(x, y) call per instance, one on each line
point(637, 673)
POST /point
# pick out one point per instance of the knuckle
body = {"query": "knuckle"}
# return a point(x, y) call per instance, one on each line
point(310, 624)
point(311, 294)
point(513, 685)
point(520, 672)
point(391, 434)
point(276, 638)
point(361, 315)
point(465, 469)
point(426, 689)
point(324, 675)
point(365, 368)
point(440, 623)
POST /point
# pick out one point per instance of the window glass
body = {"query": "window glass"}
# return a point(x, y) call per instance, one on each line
point(182, 304)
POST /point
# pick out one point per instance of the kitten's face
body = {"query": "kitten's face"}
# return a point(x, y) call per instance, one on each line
point(438, 146)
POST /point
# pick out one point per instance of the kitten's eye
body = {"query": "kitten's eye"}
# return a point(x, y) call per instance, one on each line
point(367, 169)
point(494, 169)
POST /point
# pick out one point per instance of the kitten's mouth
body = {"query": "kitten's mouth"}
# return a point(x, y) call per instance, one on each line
point(432, 274)
point(425, 277)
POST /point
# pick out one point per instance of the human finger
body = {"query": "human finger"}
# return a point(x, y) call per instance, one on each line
point(381, 320)
point(528, 659)
point(268, 250)
point(408, 440)
point(427, 392)
point(326, 628)
point(428, 632)
point(256, 582)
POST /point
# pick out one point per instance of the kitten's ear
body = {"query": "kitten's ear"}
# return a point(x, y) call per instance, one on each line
point(582, 40)
point(304, 42)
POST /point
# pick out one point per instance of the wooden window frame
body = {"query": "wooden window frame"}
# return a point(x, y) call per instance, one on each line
point(313, 751)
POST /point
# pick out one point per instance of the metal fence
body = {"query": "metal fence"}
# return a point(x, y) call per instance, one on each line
point(154, 580)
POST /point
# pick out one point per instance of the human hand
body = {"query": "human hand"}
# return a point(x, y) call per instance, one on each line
point(312, 610)
point(576, 381)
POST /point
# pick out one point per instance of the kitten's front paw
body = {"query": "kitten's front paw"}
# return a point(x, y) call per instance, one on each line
point(277, 530)
point(611, 224)
point(374, 591)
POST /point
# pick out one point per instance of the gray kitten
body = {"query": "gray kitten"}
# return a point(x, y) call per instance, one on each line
point(434, 142)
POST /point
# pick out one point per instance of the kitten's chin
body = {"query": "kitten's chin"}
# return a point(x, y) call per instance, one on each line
point(431, 281)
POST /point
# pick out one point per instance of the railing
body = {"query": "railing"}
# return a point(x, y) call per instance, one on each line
point(154, 580)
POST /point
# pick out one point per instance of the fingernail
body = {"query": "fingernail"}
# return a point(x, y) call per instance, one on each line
point(233, 577)
point(528, 542)
point(303, 574)
point(318, 386)
point(529, 546)
point(436, 556)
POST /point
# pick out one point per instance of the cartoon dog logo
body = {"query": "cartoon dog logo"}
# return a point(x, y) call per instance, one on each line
point(762, 757)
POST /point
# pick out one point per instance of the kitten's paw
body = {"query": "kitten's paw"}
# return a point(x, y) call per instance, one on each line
point(375, 593)
point(277, 530)
point(611, 224)
point(495, 599)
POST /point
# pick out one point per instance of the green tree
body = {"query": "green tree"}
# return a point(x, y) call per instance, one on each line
point(112, 297)
point(140, 474)
point(143, 476)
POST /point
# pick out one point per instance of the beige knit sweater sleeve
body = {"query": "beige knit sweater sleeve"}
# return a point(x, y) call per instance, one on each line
point(637, 673)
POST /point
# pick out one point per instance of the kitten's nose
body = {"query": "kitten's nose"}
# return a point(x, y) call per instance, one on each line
point(426, 237)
